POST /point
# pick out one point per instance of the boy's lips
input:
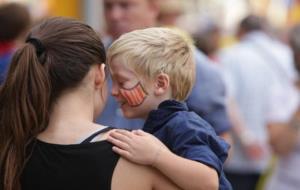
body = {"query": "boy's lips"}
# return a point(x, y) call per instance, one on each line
point(122, 103)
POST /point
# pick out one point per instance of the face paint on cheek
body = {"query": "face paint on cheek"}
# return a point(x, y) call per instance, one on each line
point(134, 96)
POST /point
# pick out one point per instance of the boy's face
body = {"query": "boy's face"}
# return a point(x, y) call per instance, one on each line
point(135, 95)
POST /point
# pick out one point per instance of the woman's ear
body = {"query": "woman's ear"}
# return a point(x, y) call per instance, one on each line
point(154, 6)
point(100, 76)
point(162, 84)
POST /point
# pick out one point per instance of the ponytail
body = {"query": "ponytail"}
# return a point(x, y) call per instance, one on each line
point(24, 105)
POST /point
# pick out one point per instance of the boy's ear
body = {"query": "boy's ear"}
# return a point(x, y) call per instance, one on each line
point(99, 76)
point(162, 84)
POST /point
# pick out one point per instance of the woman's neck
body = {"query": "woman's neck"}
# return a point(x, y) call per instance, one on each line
point(71, 119)
point(72, 106)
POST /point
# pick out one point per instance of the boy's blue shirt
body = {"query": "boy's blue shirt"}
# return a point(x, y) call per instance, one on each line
point(188, 136)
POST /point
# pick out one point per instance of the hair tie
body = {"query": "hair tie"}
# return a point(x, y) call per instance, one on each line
point(39, 47)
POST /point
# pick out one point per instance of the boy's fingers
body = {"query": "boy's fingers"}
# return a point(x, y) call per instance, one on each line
point(124, 132)
point(121, 152)
point(118, 143)
point(139, 132)
point(120, 136)
point(112, 131)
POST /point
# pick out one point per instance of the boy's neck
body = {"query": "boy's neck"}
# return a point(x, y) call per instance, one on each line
point(158, 103)
point(155, 104)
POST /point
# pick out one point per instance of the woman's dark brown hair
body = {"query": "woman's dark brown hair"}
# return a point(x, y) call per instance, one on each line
point(57, 56)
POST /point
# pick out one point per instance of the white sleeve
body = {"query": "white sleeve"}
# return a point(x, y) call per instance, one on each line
point(282, 103)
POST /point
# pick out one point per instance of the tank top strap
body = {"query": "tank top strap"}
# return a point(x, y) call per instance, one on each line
point(92, 136)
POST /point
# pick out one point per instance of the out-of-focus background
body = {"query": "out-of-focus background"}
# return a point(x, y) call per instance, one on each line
point(282, 14)
point(266, 132)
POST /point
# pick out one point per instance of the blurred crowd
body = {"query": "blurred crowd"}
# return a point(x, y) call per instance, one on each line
point(248, 90)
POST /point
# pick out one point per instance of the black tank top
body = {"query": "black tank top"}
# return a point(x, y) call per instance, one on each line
point(88, 165)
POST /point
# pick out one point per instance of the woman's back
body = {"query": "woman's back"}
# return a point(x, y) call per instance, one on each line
point(90, 165)
point(78, 166)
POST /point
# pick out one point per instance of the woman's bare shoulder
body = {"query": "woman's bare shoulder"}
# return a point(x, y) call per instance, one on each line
point(128, 175)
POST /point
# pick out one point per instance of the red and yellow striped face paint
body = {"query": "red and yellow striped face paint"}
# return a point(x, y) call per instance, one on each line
point(134, 96)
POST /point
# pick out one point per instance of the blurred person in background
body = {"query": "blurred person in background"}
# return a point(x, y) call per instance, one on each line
point(124, 16)
point(207, 38)
point(255, 68)
point(284, 133)
point(169, 12)
point(14, 21)
point(207, 98)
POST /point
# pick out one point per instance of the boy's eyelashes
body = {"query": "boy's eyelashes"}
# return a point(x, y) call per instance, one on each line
point(117, 82)
point(120, 83)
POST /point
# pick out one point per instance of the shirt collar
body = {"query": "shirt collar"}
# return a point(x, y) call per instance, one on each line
point(159, 117)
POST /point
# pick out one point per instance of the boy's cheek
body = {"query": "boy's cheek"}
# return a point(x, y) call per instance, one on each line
point(134, 96)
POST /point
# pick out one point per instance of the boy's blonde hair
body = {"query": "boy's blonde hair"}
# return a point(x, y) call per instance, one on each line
point(152, 51)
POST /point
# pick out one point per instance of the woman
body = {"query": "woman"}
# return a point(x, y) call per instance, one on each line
point(54, 89)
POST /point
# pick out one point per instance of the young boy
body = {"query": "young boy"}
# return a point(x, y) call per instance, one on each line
point(153, 72)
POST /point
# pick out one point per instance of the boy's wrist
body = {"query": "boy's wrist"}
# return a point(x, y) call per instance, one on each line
point(155, 158)
point(159, 157)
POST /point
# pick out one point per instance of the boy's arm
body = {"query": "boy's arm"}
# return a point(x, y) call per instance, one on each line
point(187, 174)
point(143, 148)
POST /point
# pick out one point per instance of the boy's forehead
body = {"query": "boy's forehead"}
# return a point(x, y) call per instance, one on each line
point(117, 63)
point(120, 68)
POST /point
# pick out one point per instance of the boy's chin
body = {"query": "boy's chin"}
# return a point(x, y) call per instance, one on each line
point(131, 115)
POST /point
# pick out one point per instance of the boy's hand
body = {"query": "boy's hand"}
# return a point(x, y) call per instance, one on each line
point(137, 146)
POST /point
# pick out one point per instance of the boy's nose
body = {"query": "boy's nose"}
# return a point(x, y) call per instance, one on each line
point(114, 90)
